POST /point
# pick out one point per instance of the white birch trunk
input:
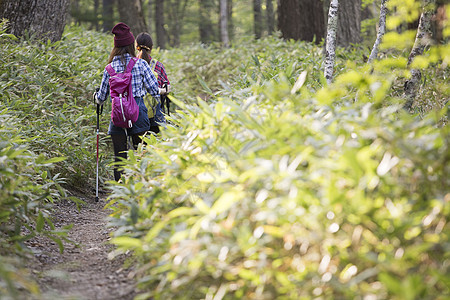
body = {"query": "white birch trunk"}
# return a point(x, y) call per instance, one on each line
point(423, 36)
point(330, 53)
point(423, 39)
point(381, 31)
point(224, 24)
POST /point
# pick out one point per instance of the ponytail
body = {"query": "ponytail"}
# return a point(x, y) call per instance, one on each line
point(144, 54)
point(144, 46)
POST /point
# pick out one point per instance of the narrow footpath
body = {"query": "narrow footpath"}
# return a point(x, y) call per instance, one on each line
point(83, 271)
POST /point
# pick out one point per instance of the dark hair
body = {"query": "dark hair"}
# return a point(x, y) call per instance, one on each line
point(122, 51)
point(145, 45)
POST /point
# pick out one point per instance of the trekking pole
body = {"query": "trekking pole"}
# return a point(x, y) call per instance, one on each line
point(99, 111)
point(98, 127)
point(165, 101)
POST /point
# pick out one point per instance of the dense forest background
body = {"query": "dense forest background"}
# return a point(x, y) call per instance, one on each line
point(189, 21)
point(306, 155)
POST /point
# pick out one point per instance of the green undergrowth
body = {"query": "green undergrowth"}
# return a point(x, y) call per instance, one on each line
point(49, 88)
point(269, 184)
point(29, 188)
point(47, 141)
point(270, 199)
point(266, 184)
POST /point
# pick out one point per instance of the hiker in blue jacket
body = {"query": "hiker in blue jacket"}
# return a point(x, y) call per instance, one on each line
point(143, 81)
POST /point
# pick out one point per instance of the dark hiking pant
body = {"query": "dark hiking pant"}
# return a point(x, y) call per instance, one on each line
point(120, 145)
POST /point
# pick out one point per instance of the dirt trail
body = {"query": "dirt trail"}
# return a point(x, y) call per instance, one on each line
point(83, 271)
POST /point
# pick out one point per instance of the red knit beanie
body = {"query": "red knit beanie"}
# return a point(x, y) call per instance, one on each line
point(122, 35)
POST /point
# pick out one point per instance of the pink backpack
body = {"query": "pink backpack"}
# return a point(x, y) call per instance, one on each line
point(125, 110)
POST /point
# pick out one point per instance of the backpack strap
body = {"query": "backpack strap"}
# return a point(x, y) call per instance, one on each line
point(110, 70)
point(131, 64)
point(152, 64)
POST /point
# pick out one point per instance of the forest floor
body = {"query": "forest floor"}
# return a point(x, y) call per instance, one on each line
point(83, 271)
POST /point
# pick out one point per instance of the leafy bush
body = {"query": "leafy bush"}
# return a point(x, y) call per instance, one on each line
point(205, 71)
point(26, 198)
point(277, 188)
point(290, 203)
point(49, 88)
point(46, 142)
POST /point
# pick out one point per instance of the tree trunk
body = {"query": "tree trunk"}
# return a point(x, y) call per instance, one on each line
point(270, 17)
point(205, 24)
point(108, 15)
point(381, 31)
point(349, 23)
point(159, 24)
point(301, 20)
point(330, 53)
point(230, 20)
point(224, 24)
point(74, 12)
point(131, 13)
point(257, 18)
point(176, 10)
point(439, 20)
point(150, 8)
point(423, 38)
point(96, 5)
point(287, 11)
point(43, 18)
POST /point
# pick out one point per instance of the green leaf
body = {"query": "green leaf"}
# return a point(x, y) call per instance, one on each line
point(204, 85)
point(256, 60)
point(58, 242)
point(177, 102)
point(54, 160)
point(206, 108)
point(127, 242)
point(226, 200)
point(40, 222)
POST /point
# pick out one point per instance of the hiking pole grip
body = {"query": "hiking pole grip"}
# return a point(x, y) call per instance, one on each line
point(98, 116)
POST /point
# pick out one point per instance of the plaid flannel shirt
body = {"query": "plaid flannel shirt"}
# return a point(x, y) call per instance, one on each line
point(162, 76)
point(143, 80)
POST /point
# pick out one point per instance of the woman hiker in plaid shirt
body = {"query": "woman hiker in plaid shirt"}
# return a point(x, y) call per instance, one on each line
point(144, 44)
point(143, 81)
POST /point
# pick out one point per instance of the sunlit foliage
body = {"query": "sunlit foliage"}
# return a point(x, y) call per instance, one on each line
point(277, 186)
